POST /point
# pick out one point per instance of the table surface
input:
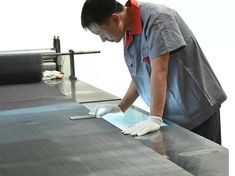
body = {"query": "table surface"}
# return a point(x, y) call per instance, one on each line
point(188, 150)
point(28, 132)
point(194, 153)
point(44, 141)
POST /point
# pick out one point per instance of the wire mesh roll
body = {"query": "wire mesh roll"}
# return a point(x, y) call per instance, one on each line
point(20, 68)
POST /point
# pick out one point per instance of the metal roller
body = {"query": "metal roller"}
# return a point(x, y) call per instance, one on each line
point(48, 66)
point(20, 68)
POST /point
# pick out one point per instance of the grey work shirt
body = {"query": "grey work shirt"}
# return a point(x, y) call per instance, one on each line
point(193, 91)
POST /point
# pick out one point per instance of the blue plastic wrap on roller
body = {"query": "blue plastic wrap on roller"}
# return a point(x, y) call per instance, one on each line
point(20, 68)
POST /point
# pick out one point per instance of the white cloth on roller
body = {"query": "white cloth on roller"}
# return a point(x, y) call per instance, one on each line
point(48, 75)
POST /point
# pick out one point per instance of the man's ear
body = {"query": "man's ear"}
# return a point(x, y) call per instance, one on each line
point(115, 18)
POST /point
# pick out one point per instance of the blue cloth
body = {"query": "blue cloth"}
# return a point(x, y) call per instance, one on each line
point(131, 117)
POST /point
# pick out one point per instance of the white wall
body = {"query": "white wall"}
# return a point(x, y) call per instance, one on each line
point(33, 23)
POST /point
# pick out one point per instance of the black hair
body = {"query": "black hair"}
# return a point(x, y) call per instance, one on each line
point(99, 11)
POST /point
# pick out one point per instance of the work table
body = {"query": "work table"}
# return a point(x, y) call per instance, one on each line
point(38, 138)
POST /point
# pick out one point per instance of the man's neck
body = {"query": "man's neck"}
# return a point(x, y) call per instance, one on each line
point(127, 18)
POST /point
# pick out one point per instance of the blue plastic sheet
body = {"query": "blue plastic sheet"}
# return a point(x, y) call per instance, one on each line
point(131, 117)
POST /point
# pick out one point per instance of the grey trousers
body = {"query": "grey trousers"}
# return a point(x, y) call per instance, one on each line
point(210, 129)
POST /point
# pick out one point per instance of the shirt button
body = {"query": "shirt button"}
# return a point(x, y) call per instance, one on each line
point(131, 64)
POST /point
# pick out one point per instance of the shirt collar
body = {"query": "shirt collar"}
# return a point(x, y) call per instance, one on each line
point(136, 27)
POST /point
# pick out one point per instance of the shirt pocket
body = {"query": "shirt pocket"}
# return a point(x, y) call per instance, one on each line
point(145, 54)
point(145, 57)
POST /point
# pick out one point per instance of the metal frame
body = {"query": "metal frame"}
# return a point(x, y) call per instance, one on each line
point(56, 48)
point(71, 54)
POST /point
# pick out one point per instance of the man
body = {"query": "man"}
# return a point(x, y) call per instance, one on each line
point(169, 70)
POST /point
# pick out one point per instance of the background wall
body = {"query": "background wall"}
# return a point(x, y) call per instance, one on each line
point(33, 23)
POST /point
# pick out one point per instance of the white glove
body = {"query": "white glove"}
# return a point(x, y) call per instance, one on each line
point(150, 125)
point(102, 110)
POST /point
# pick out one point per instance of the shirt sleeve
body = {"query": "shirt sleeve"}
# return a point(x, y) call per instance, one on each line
point(163, 35)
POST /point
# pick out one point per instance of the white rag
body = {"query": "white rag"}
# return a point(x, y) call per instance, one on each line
point(49, 75)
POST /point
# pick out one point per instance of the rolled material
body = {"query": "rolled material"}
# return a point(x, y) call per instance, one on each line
point(48, 66)
point(20, 68)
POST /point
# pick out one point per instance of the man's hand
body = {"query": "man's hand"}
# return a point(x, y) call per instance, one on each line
point(150, 125)
point(102, 110)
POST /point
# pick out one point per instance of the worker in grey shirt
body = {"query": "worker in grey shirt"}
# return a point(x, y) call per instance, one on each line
point(168, 68)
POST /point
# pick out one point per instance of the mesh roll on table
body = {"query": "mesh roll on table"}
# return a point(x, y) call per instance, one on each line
point(44, 141)
point(20, 68)
point(21, 85)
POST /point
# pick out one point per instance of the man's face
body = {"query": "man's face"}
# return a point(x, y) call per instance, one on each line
point(110, 31)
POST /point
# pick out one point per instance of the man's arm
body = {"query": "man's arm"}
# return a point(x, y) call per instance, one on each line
point(158, 84)
point(128, 99)
point(130, 96)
